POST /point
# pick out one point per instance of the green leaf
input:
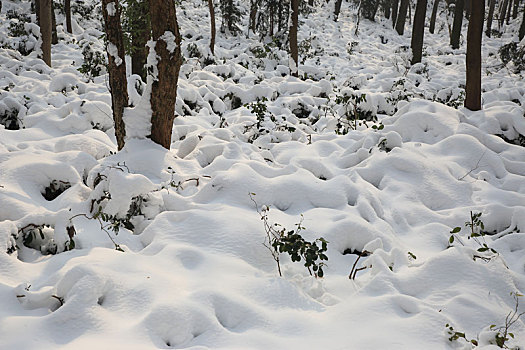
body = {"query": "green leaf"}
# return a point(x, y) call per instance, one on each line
point(455, 230)
point(474, 342)
point(451, 239)
point(481, 250)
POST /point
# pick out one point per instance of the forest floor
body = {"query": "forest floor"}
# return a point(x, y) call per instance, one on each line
point(149, 248)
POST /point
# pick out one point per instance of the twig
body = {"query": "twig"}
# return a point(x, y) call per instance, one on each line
point(102, 227)
point(471, 170)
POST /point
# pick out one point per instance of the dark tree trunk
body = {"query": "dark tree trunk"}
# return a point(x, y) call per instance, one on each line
point(433, 17)
point(458, 22)
point(67, 10)
point(253, 16)
point(522, 27)
point(509, 11)
point(515, 9)
point(164, 88)
point(116, 66)
point(54, 35)
point(46, 21)
point(467, 9)
point(337, 9)
point(395, 9)
point(311, 2)
point(294, 69)
point(401, 17)
point(475, 31)
point(37, 10)
point(387, 7)
point(490, 18)
point(418, 31)
point(503, 12)
point(369, 9)
point(212, 25)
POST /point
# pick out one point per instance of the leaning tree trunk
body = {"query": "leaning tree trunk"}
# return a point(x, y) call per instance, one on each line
point(164, 87)
point(395, 6)
point(337, 9)
point(46, 22)
point(212, 25)
point(67, 10)
point(54, 34)
point(116, 66)
point(401, 17)
point(475, 31)
point(418, 31)
point(521, 34)
point(503, 12)
point(458, 22)
point(435, 8)
point(294, 62)
point(490, 17)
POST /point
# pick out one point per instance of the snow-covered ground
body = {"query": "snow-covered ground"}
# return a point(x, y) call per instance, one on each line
point(192, 270)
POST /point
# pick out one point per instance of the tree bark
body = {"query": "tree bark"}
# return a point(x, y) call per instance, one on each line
point(37, 10)
point(490, 18)
point(401, 17)
point(395, 9)
point(294, 65)
point(521, 34)
point(503, 12)
point(212, 25)
point(116, 66)
point(474, 37)
point(515, 9)
point(433, 17)
point(253, 17)
point(54, 35)
point(337, 9)
point(67, 10)
point(458, 22)
point(164, 88)
point(45, 29)
point(418, 31)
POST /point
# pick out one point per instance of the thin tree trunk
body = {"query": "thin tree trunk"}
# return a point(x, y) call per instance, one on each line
point(67, 10)
point(253, 17)
point(54, 35)
point(474, 37)
point(490, 18)
point(294, 65)
point(387, 7)
point(458, 22)
point(164, 88)
point(503, 12)
point(116, 66)
point(401, 17)
point(435, 8)
point(212, 24)
point(515, 9)
point(521, 34)
point(337, 9)
point(46, 22)
point(418, 31)
point(395, 9)
point(37, 11)
point(509, 11)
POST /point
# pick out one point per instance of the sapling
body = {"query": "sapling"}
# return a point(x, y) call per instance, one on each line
point(476, 233)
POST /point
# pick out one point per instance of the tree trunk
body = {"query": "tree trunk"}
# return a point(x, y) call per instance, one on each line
point(253, 16)
point(212, 24)
point(395, 7)
point(433, 17)
point(401, 17)
point(521, 34)
point(164, 88)
point(37, 11)
point(503, 12)
point(311, 2)
point(140, 29)
point(509, 11)
point(418, 31)
point(46, 22)
point(515, 9)
point(54, 35)
point(337, 9)
point(369, 9)
point(387, 7)
point(458, 22)
point(490, 17)
point(294, 64)
point(467, 9)
point(116, 66)
point(475, 31)
point(67, 10)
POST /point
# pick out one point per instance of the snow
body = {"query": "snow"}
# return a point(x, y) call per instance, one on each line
point(194, 273)
point(169, 39)
point(111, 8)
point(113, 51)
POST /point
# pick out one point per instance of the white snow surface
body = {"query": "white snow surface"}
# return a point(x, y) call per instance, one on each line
point(194, 273)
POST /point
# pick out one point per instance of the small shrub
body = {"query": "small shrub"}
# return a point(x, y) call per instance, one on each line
point(266, 121)
point(477, 234)
point(511, 52)
point(94, 62)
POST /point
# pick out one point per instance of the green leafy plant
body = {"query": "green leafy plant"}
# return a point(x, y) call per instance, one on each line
point(477, 234)
point(455, 335)
point(93, 64)
point(281, 240)
point(266, 121)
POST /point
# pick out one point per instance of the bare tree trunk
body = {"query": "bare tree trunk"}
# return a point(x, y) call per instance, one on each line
point(502, 12)
point(521, 34)
point(164, 88)
point(395, 9)
point(253, 16)
point(294, 65)
point(46, 22)
point(515, 9)
point(458, 22)
point(467, 9)
point(433, 17)
point(67, 10)
point(474, 37)
point(387, 7)
point(509, 11)
point(401, 17)
point(212, 24)
point(116, 66)
point(54, 35)
point(418, 31)
point(490, 17)
point(37, 10)
point(337, 9)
